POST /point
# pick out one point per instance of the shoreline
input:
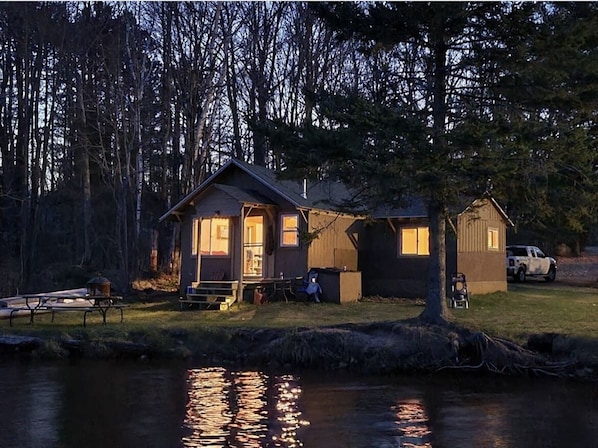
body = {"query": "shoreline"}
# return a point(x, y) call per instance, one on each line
point(406, 347)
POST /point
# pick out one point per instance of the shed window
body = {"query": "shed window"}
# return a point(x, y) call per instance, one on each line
point(492, 238)
point(289, 230)
point(215, 237)
point(414, 241)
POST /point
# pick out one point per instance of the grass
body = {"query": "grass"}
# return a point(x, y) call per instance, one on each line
point(525, 309)
point(534, 308)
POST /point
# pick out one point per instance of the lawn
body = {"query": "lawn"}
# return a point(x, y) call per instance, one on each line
point(534, 307)
point(529, 308)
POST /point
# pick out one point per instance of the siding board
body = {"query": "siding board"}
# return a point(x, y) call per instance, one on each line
point(216, 202)
point(336, 243)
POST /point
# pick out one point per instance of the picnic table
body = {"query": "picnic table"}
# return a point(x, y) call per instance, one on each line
point(35, 304)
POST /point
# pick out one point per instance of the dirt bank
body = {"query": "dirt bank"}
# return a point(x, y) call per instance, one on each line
point(377, 348)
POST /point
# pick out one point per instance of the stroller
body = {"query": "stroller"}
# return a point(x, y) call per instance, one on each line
point(459, 295)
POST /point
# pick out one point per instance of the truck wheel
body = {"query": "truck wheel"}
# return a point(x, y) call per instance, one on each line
point(551, 274)
point(520, 275)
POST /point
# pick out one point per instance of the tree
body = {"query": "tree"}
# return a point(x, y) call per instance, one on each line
point(553, 80)
point(398, 141)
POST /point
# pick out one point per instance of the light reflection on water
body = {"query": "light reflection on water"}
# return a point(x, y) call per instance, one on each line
point(245, 408)
point(130, 405)
point(251, 409)
point(413, 424)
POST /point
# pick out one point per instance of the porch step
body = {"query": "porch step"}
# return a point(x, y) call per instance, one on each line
point(210, 295)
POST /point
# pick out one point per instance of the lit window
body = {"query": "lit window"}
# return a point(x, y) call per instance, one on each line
point(289, 230)
point(414, 241)
point(214, 237)
point(492, 238)
point(253, 243)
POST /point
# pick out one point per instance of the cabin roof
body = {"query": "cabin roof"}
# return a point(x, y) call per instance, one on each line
point(242, 195)
point(322, 195)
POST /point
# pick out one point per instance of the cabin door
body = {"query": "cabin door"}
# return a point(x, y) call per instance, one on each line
point(253, 246)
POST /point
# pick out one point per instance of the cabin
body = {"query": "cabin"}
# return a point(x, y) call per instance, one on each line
point(394, 251)
point(243, 226)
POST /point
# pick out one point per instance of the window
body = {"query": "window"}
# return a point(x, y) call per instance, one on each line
point(214, 236)
point(253, 243)
point(414, 241)
point(492, 238)
point(289, 230)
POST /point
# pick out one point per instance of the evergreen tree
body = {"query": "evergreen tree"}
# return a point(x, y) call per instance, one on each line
point(426, 131)
point(553, 82)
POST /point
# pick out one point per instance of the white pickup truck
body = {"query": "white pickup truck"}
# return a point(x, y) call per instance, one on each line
point(528, 261)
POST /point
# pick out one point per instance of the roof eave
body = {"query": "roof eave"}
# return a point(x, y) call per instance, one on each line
point(193, 193)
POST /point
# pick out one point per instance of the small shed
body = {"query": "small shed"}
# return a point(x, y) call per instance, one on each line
point(394, 251)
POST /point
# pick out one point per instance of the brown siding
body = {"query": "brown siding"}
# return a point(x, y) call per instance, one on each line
point(484, 272)
point(484, 268)
point(215, 202)
point(383, 272)
point(336, 245)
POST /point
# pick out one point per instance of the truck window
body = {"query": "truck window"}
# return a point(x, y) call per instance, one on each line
point(519, 251)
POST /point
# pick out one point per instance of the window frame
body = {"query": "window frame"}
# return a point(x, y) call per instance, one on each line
point(216, 232)
point(288, 231)
point(417, 229)
point(490, 240)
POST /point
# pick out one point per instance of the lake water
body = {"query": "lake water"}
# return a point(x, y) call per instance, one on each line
point(115, 404)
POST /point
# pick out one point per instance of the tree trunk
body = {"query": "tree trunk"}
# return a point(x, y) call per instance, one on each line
point(436, 310)
point(83, 171)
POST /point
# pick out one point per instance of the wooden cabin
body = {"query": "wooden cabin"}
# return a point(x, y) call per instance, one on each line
point(243, 225)
point(394, 252)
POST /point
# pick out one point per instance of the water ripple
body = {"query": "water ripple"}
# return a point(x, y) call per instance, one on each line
point(245, 408)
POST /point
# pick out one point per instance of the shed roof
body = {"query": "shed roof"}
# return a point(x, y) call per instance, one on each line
point(417, 209)
point(499, 209)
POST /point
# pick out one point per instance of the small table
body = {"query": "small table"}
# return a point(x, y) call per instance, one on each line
point(277, 285)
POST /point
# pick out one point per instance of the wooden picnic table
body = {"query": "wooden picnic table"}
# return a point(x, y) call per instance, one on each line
point(35, 304)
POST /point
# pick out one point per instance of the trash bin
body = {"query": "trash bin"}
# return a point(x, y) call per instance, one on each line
point(339, 285)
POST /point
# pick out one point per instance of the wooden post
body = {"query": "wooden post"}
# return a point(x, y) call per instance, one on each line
point(240, 253)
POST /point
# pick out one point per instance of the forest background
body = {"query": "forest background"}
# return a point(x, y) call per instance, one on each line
point(110, 112)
